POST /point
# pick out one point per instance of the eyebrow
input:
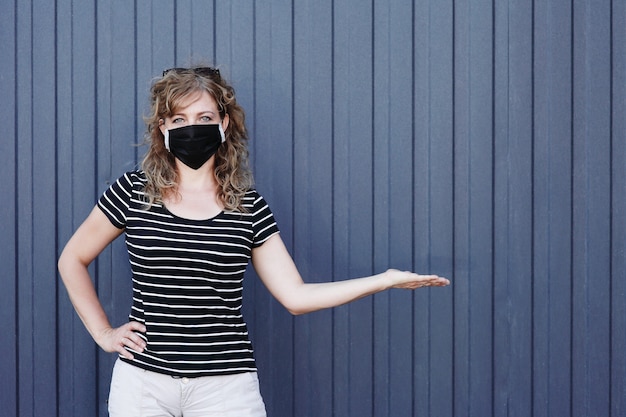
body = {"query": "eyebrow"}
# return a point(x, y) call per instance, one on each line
point(179, 113)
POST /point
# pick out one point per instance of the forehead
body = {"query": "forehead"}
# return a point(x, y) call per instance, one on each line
point(197, 101)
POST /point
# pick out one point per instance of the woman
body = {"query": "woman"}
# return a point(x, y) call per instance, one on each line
point(193, 221)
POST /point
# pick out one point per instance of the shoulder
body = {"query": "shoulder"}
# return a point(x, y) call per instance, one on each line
point(125, 192)
point(263, 222)
point(127, 185)
point(136, 177)
point(132, 180)
point(253, 200)
point(252, 194)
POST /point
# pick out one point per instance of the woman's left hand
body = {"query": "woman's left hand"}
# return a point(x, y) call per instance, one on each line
point(410, 280)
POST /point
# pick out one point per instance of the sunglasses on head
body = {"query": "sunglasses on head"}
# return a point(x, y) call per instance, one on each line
point(206, 71)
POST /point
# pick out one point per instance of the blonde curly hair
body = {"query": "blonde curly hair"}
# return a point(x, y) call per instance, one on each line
point(232, 170)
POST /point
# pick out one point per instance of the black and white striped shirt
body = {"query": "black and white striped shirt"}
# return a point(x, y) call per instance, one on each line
point(187, 280)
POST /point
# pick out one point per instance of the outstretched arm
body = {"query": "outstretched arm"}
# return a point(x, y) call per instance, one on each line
point(88, 241)
point(276, 268)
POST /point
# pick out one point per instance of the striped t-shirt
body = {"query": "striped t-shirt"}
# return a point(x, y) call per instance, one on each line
point(187, 280)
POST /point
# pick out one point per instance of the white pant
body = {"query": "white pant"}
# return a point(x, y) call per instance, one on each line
point(139, 393)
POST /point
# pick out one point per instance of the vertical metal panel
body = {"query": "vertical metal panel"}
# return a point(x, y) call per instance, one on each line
point(618, 210)
point(312, 193)
point(482, 140)
point(433, 201)
point(514, 278)
point(552, 190)
point(8, 214)
point(24, 242)
point(195, 23)
point(476, 214)
point(591, 205)
point(43, 361)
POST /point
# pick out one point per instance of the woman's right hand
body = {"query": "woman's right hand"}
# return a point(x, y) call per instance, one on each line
point(119, 338)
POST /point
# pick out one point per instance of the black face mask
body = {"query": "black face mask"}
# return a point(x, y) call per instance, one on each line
point(195, 144)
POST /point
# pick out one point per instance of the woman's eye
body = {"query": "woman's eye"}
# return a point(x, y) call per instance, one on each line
point(206, 119)
point(177, 120)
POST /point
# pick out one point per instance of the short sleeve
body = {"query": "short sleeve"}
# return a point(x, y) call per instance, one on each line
point(115, 201)
point(263, 223)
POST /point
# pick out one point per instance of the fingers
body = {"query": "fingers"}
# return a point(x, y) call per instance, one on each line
point(121, 349)
point(423, 283)
point(434, 280)
point(136, 326)
point(428, 282)
point(125, 339)
point(411, 280)
point(131, 339)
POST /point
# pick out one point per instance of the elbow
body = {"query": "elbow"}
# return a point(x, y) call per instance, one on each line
point(296, 311)
point(297, 300)
point(63, 265)
point(294, 308)
point(68, 263)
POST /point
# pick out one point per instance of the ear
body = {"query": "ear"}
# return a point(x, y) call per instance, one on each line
point(225, 122)
point(162, 126)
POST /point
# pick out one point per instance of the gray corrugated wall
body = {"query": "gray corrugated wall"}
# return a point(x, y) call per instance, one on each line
point(483, 140)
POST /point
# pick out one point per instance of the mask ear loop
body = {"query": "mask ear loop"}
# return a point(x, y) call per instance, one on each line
point(219, 125)
point(166, 137)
